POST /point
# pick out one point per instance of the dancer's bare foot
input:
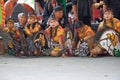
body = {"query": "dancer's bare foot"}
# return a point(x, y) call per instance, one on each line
point(63, 55)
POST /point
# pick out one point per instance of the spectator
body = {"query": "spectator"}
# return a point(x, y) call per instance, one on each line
point(58, 15)
point(40, 5)
point(63, 4)
point(82, 11)
point(22, 20)
point(48, 9)
point(9, 5)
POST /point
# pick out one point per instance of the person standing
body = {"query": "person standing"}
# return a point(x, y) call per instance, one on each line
point(48, 9)
point(62, 3)
point(82, 11)
point(40, 5)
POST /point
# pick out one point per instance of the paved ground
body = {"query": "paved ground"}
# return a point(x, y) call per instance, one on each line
point(50, 68)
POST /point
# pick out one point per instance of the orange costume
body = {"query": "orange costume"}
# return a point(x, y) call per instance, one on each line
point(56, 35)
point(117, 26)
point(59, 34)
point(13, 30)
point(85, 31)
point(30, 29)
point(108, 23)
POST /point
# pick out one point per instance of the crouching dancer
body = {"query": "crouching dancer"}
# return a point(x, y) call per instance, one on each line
point(83, 39)
point(13, 46)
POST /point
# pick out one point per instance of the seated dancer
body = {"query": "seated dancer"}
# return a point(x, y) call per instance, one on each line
point(110, 25)
point(13, 46)
point(31, 28)
point(83, 33)
point(56, 34)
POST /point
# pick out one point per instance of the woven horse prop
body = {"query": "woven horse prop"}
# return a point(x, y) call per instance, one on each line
point(107, 41)
point(41, 44)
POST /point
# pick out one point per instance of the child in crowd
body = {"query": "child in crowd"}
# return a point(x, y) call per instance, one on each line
point(83, 33)
point(31, 28)
point(13, 46)
point(56, 34)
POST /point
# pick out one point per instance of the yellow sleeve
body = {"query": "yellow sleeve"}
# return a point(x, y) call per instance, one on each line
point(90, 32)
point(60, 33)
point(37, 27)
point(47, 31)
point(28, 32)
point(17, 33)
point(100, 26)
point(117, 26)
point(6, 30)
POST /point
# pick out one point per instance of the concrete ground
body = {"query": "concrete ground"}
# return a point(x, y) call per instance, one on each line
point(51, 68)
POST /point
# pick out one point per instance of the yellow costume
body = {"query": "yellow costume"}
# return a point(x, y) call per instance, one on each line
point(60, 34)
point(57, 35)
point(117, 26)
point(13, 45)
point(85, 31)
point(108, 23)
point(30, 29)
point(14, 30)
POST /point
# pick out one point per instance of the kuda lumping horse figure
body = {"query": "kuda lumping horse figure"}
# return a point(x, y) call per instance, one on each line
point(106, 40)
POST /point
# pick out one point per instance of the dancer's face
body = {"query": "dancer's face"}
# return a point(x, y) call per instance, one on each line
point(108, 15)
point(53, 23)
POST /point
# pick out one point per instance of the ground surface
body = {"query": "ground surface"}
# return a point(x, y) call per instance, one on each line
point(50, 68)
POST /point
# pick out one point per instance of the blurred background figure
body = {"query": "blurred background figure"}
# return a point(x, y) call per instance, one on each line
point(82, 11)
point(58, 15)
point(22, 18)
point(9, 5)
point(48, 9)
point(39, 6)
